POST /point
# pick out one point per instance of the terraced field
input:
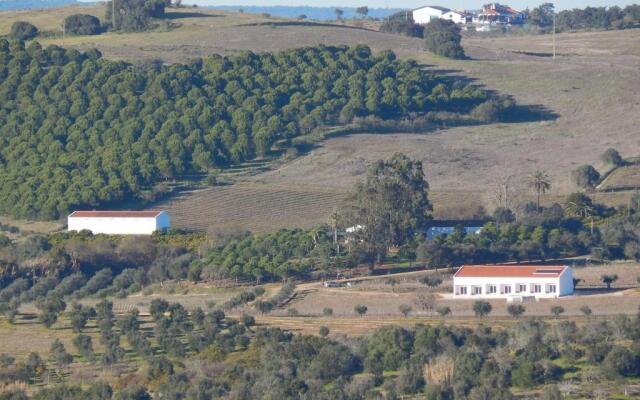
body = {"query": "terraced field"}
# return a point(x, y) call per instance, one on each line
point(253, 207)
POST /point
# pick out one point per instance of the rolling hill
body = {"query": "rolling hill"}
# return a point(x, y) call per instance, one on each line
point(590, 90)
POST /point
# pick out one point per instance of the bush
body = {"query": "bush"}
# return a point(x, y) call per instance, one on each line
point(586, 177)
point(82, 24)
point(620, 362)
point(327, 311)
point(443, 37)
point(612, 157)
point(360, 309)
point(431, 280)
point(404, 309)
point(22, 30)
point(323, 331)
point(444, 311)
point(482, 308)
point(515, 310)
point(557, 310)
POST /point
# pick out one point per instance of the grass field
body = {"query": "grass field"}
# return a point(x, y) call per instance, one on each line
point(623, 178)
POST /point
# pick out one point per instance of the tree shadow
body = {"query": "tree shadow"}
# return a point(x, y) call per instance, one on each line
point(180, 15)
point(307, 24)
point(530, 113)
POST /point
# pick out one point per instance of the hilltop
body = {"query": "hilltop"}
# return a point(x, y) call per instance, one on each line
point(587, 99)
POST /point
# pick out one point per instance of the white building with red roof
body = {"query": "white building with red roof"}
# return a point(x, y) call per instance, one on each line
point(119, 222)
point(512, 282)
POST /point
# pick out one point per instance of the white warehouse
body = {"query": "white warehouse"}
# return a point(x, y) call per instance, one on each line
point(119, 222)
point(424, 15)
point(512, 282)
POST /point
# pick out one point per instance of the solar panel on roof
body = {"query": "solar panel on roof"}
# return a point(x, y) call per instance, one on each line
point(547, 271)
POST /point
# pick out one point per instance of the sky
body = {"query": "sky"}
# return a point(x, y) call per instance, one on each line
point(454, 4)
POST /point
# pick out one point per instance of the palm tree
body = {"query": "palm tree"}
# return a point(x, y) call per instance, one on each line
point(541, 183)
point(580, 210)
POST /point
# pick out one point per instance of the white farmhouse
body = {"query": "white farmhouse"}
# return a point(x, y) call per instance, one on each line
point(119, 222)
point(455, 16)
point(512, 282)
point(424, 15)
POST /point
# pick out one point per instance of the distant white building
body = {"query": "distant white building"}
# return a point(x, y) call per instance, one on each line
point(512, 282)
point(455, 16)
point(424, 15)
point(119, 222)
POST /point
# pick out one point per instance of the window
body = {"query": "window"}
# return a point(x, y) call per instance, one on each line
point(536, 288)
point(461, 290)
point(506, 289)
point(551, 288)
point(476, 290)
point(491, 289)
point(521, 288)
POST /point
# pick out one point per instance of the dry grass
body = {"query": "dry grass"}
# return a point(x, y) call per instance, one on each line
point(197, 32)
point(48, 20)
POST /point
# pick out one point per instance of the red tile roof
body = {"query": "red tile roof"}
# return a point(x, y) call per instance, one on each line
point(508, 271)
point(115, 214)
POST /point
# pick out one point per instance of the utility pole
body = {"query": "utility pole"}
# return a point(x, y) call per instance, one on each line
point(64, 28)
point(113, 14)
point(554, 34)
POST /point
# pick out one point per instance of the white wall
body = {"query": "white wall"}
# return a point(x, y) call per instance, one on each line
point(425, 14)
point(566, 282)
point(119, 225)
point(561, 287)
point(455, 17)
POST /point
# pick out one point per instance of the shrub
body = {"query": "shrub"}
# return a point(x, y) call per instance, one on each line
point(612, 157)
point(620, 362)
point(82, 24)
point(482, 308)
point(22, 30)
point(323, 331)
point(586, 310)
point(431, 280)
point(444, 311)
point(360, 309)
point(327, 311)
point(443, 37)
point(586, 177)
point(557, 310)
point(404, 309)
point(515, 310)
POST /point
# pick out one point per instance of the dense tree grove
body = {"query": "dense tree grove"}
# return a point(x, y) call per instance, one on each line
point(443, 37)
point(134, 15)
point(77, 130)
point(586, 18)
point(428, 361)
point(402, 23)
point(264, 257)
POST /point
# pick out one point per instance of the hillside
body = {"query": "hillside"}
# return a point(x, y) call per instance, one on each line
point(588, 98)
